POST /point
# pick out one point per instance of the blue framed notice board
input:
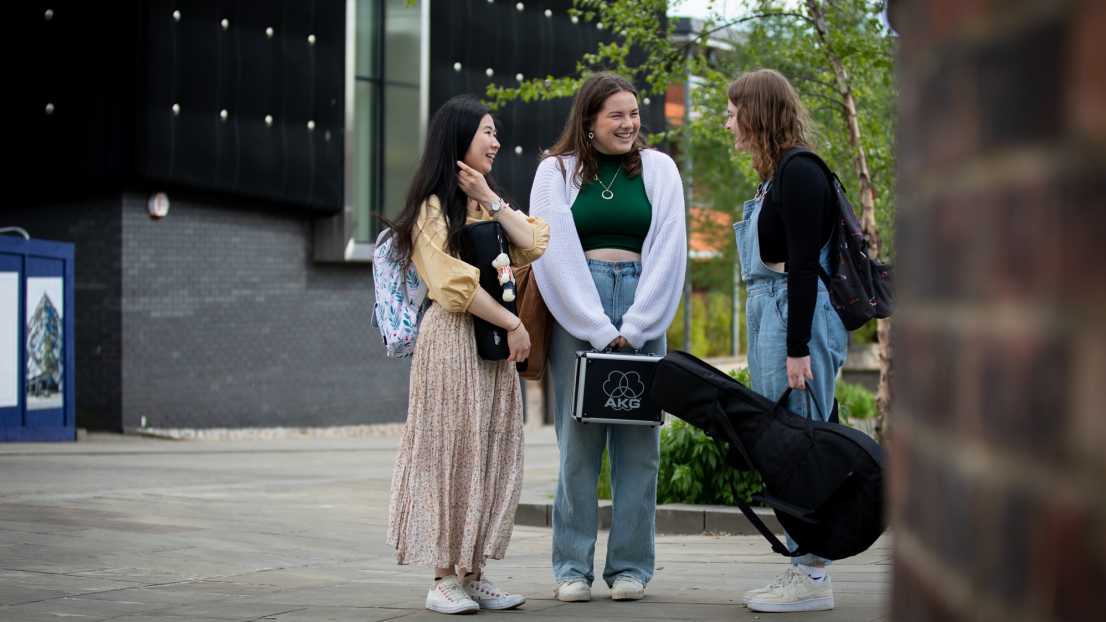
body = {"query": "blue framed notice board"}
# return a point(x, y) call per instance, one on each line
point(37, 386)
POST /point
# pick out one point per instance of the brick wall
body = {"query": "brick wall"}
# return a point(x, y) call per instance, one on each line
point(999, 432)
point(228, 322)
point(216, 316)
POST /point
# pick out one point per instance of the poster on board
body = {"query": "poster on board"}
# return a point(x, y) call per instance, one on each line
point(45, 359)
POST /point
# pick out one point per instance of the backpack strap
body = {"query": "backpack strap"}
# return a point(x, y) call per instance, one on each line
point(775, 191)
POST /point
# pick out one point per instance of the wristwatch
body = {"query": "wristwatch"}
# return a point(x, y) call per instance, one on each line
point(495, 207)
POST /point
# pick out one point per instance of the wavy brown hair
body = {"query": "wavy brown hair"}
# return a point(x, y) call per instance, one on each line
point(771, 115)
point(574, 139)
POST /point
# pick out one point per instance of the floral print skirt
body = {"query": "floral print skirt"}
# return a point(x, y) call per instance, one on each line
point(458, 474)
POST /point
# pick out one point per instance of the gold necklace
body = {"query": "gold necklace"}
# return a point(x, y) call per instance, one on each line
point(607, 193)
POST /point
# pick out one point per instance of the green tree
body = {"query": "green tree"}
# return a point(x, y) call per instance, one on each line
point(838, 54)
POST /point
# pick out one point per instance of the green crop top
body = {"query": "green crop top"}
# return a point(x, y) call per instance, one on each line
point(619, 222)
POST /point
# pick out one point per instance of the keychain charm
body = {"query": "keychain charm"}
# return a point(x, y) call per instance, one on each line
point(506, 276)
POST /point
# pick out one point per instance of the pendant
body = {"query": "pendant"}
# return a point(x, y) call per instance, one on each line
point(607, 195)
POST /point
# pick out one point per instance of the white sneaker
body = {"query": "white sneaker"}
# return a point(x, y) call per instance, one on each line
point(627, 588)
point(488, 596)
point(447, 596)
point(574, 591)
point(795, 591)
point(776, 583)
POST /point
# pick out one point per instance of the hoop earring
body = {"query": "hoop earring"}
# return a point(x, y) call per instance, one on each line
point(591, 135)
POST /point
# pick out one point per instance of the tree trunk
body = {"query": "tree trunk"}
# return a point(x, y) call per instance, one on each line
point(886, 373)
point(817, 14)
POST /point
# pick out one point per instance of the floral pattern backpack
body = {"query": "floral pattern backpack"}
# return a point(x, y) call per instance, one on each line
point(400, 299)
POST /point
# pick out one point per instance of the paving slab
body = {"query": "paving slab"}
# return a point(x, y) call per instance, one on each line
point(140, 530)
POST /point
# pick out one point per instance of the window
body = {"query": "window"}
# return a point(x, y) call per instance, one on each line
point(388, 110)
point(367, 117)
point(387, 97)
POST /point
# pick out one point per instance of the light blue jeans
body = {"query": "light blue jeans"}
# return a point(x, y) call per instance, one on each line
point(766, 322)
point(634, 453)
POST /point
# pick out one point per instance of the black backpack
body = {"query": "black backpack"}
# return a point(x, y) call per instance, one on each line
point(823, 480)
point(860, 287)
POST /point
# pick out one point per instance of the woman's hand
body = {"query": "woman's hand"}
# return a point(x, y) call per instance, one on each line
point(518, 342)
point(474, 184)
point(619, 343)
point(798, 372)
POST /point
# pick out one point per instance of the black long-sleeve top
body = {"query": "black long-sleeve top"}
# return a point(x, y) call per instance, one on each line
point(794, 230)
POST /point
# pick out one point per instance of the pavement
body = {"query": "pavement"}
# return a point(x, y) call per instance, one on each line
point(138, 529)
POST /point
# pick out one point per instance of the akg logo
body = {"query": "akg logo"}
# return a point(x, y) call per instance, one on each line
point(624, 390)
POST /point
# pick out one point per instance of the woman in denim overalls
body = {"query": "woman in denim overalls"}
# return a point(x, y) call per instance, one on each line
point(767, 118)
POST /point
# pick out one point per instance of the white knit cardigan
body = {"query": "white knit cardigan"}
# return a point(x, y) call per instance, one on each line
point(562, 272)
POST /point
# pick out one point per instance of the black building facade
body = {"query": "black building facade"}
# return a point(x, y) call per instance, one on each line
point(279, 131)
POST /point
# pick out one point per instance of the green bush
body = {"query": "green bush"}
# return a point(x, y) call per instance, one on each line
point(694, 470)
point(741, 376)
point(864, 334)
point(603, 488)
point(854, 402)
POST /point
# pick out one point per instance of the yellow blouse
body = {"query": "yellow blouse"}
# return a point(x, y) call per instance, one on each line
point(451, 282)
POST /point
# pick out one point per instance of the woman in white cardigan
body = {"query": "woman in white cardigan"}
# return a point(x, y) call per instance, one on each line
point(611, 277)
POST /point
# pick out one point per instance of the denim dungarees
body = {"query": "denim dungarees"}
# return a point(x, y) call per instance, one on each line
point(766, 323)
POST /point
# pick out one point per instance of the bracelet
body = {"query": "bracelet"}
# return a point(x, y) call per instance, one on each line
point(517, 326)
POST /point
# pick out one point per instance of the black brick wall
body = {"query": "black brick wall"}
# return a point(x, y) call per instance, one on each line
point(227, 321)
point(216, 316)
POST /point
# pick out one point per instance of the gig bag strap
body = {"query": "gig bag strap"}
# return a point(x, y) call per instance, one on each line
point(779, 407)
point(810, 398)
point(777, 546)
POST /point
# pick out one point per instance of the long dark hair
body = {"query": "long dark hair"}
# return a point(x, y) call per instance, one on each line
point(451, 131)
point(574, 139)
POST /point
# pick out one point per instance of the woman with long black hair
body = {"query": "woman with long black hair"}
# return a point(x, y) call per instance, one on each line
point(458, 474)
